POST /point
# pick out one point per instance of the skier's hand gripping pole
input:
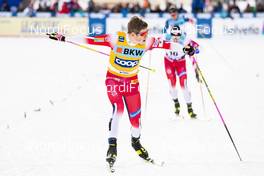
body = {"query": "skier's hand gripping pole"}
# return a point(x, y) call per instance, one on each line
point(57, 36)
point(62, 38)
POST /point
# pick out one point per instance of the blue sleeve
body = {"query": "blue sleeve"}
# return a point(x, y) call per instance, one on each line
point(186, 19)
point(167, 37)
point(165, 27)
point(181, 21)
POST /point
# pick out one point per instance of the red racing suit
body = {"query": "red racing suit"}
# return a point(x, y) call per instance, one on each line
point(121, 78)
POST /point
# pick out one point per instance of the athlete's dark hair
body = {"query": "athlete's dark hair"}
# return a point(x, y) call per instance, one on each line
point(136, 24)
point(172, 9)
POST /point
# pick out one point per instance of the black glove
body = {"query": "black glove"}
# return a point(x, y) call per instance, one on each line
point(197, 75)
point(189, 50)
point(56, 36)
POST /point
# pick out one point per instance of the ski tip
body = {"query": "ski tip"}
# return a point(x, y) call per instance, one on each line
point(112, 170)
point(111, 167)
point(157, 163)
point(161, 164)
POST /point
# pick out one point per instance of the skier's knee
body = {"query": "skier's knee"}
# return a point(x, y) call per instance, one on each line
point(183, 80)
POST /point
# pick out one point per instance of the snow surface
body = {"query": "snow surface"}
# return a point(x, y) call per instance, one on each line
point(54, 112)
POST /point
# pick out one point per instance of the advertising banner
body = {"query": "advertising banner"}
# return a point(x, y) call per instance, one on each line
point(37, 27)
point(97, 24)
point(155, 25)
point(238, 27)
point(204, 28)
point(120, 24)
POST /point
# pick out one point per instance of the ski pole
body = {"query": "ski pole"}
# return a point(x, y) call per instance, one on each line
point(219, 113)
point(203, 102)
point(201, 91)
point(94, 50)
point(147, 91)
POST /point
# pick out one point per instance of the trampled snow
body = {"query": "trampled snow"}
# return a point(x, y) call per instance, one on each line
point(54, 112)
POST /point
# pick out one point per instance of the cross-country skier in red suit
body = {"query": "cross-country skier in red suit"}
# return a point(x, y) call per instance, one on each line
point(175, 66)
point(127, 49)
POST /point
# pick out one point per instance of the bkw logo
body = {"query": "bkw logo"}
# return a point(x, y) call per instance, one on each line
point(130, 51)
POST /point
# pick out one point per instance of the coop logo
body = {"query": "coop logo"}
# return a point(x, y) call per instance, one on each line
point(126, 63)
point(130, 52)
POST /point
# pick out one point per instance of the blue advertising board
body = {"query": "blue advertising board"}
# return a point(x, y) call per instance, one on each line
point(97, 24)
point(204, 27)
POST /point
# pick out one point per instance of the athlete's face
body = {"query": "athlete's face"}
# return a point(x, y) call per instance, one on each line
point(174, 15)
point(176, 38)
point(139, 38)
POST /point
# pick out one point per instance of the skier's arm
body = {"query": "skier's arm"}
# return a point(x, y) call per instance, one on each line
point(190, 47)
point(193, 48)
point(164, 31)
point(102, 40)
point(157, 43)
point(190, 20)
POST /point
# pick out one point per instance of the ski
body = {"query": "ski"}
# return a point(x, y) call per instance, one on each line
point(155, 162)
point(188, 118)
point(176, 117)
point(111, 167)
point(151, 161)
point(180, 116)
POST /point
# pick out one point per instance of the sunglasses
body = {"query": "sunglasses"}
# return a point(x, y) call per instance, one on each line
point(176, 35)
point(143, 33)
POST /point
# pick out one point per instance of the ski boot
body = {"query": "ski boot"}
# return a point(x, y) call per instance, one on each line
point(141, 151)
point(111, 153)
point(177, 107)
point(190, 111)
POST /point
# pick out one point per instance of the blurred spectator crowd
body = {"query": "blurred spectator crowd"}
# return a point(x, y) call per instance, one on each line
point(224, 7)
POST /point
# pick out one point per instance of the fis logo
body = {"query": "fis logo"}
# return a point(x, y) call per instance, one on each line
point(130, 51)
point(121, 39)
point(126, 63)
